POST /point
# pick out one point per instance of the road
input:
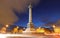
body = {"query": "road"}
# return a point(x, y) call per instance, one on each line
point(28, 36)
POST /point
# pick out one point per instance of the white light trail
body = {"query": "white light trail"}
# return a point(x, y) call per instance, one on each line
point(24, 35)
point(13, 35)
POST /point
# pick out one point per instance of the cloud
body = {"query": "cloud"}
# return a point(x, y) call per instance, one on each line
point(7, 16)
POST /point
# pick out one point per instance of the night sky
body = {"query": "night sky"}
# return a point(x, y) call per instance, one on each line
point(46, 11)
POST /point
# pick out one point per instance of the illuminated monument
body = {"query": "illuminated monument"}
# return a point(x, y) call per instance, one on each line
point(30, 25)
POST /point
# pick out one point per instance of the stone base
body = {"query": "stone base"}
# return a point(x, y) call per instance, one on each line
point(27, 31)
point(30, 25)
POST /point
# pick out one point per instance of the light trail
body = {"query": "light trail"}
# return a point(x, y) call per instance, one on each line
point(13, 35)
point(20, 35)
point(53, 34)
point(27, 35)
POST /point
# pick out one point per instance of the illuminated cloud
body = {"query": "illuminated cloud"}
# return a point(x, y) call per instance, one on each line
point(7, 16)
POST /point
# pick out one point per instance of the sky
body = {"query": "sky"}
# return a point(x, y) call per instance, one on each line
point(7, 15)
point(45, 12)
point(16, 12)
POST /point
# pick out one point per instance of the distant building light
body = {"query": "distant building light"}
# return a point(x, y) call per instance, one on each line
point(54, 26)
point(7, 25)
